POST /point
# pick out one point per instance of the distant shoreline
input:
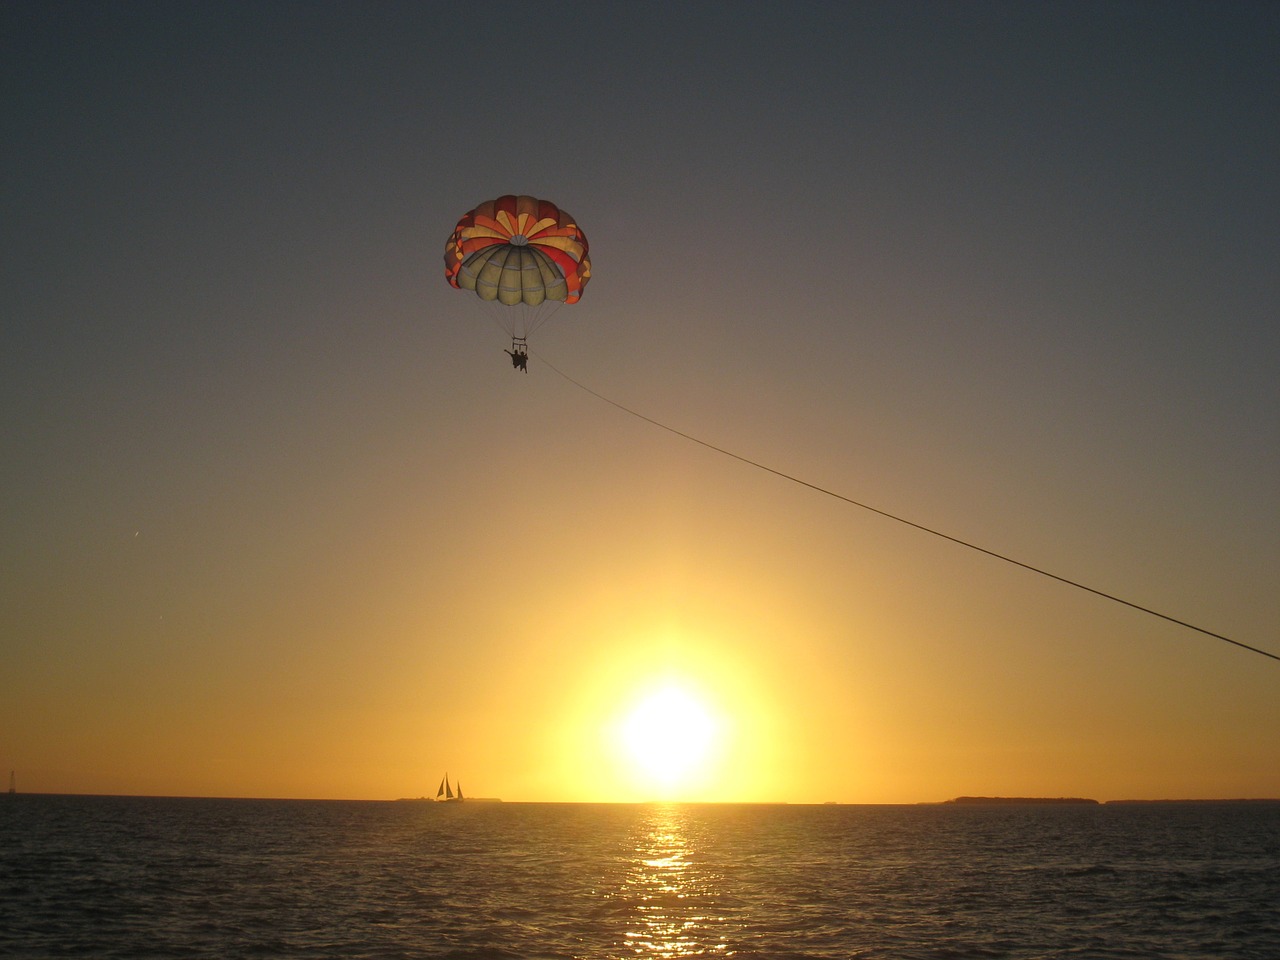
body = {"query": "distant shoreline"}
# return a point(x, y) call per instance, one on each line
point(1085, 801)
point(957, 801)
point(984, 801)
point(1243, 800)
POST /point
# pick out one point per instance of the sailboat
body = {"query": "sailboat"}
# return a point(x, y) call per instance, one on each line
point(446, 795)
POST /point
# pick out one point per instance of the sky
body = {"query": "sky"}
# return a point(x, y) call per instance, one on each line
point(281, 520)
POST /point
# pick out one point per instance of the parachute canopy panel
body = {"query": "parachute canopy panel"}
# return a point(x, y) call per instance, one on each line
point(518, 249)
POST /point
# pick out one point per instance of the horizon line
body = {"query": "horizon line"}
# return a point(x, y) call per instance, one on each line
point(960, 801)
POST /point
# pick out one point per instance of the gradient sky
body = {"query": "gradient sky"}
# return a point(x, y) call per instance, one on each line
point(280, 519)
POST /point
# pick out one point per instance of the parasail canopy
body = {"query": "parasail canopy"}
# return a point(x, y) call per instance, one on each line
point(518, 250)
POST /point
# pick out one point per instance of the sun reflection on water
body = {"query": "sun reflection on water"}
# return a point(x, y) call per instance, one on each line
point(673, 897)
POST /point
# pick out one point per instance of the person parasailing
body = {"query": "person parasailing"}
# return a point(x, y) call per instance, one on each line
point(519, 354)
point(522, 252)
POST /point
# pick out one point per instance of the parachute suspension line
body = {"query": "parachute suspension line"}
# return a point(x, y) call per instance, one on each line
point(545, 312)
point(530, 318)
point(495, 314)
point(909, 523)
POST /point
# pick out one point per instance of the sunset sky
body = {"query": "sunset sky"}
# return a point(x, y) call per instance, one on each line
point(281, 520)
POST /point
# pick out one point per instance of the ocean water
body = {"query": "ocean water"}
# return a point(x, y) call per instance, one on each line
point(100, 877)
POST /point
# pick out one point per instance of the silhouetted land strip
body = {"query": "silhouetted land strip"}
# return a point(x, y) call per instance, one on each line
point(991, 801)
point(1241, 800)
point(1003, 801)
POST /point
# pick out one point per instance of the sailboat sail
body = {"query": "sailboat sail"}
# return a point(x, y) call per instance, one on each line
point(446, 793)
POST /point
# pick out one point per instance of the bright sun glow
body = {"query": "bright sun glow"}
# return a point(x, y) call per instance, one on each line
point(669, 736)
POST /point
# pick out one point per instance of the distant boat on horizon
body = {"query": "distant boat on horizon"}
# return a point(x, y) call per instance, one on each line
point(446, 795)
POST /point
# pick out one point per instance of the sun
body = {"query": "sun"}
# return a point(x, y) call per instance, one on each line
point(669, 736)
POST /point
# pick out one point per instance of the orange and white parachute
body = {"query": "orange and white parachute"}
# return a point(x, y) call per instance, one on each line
point(519, 251)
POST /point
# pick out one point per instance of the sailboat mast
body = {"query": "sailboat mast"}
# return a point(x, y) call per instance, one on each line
point(449, 791)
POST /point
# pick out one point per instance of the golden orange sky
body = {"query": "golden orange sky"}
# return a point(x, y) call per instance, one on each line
point(825, 672)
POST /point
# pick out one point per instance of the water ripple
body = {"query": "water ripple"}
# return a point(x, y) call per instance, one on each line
point(121, 877)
